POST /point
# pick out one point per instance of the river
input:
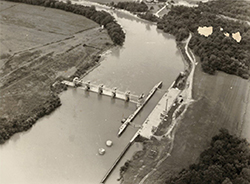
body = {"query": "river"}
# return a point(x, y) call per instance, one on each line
point(63, 147)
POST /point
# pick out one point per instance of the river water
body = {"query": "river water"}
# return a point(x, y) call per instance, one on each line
point(63, 147)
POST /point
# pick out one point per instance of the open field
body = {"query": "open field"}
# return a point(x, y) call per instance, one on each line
point(25, 26)
point(227, 94)
point(246, 126)
point(52, 49)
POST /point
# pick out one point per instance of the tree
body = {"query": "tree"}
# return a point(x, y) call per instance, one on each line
point(47, 3)
point(226, 161)
point(246, 173)
point(240, 180)
point(227, 181)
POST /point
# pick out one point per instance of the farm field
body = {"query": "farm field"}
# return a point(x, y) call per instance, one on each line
point(38, 46)
point(228, 96)
point(25, 26)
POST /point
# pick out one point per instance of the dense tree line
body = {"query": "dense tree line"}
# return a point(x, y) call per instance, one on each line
point(232, 8)
point(217, 52)
point(141, 9)
point(23, 123)
point(226, 161)
point(148, 16)
point(131, 6)
point(101, 17)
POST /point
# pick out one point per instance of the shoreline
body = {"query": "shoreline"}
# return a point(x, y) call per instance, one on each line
point(172, 111)
point(173, 93)
point(48, 97)
point(182, 138)
point(51, 104)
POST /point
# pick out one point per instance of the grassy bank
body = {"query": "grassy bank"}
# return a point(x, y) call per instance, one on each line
point(47, 47)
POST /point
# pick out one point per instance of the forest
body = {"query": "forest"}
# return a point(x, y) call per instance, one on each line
point(240, 10)
point(140, 9)
point(23, 123)
point(216, 52)
point(101, 17)
point(226, 161)
point(148, 16)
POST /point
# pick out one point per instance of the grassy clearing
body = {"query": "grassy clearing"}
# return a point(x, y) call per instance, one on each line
point(246, 125)
point(227, 94)
point(26, 26)
point(27, 76)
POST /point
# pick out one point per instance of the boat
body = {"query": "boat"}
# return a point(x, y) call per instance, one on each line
point(101, 151)
point(109, 143)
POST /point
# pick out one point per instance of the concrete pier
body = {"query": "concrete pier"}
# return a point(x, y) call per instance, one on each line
point(119, 157)
point(159, 112)
point(68, 83)
point(132, 116)
point(116, 162)
point(102, 90)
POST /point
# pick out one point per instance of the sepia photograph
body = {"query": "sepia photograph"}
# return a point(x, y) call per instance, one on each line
point(124, 91)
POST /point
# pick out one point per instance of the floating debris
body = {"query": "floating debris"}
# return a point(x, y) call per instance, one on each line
point(109, 143)
point(102, 151)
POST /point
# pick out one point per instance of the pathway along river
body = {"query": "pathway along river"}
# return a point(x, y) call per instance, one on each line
point(63, 147)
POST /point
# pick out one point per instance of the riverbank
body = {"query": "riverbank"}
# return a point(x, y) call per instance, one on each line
point(28, 88)
point(218, 102)
point(158, 131)
point(222, 99)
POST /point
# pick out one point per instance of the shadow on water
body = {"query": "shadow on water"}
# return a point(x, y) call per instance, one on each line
point(148, 27)
point(116, 52)
point(99, 97)
point(13, 139)
point(126, 15)
point(126, 104)
point(178, 53)
point(86, 94)
point(165, 35)
point(112, 100)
